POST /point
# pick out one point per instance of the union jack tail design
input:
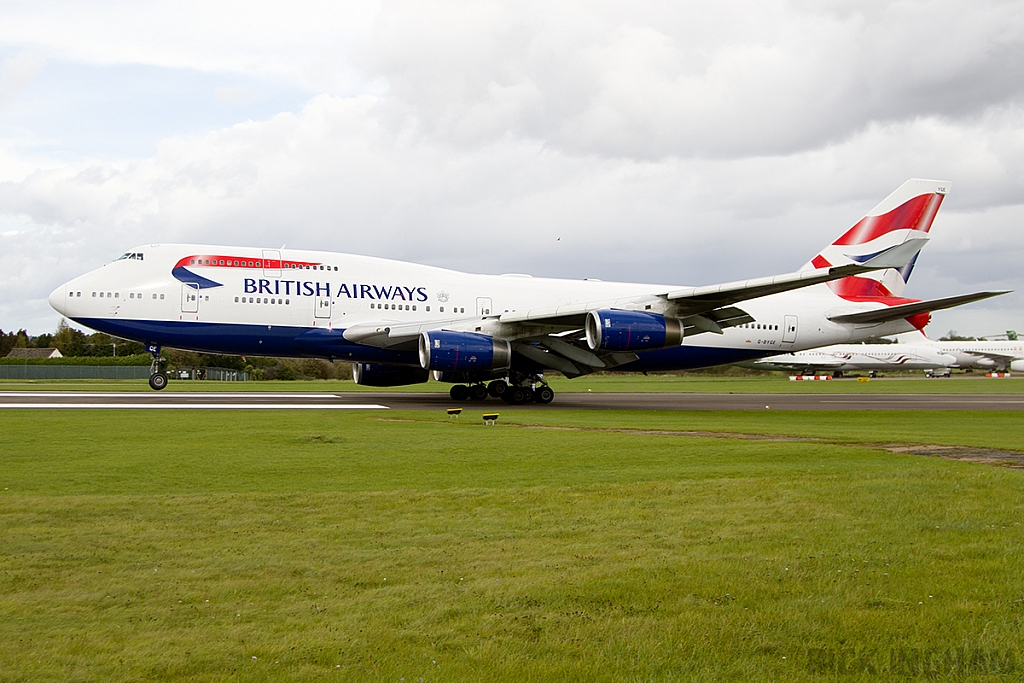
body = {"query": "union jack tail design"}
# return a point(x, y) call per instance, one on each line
point(908, 212)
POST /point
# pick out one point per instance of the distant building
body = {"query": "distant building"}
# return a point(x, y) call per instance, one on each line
point(35, 353)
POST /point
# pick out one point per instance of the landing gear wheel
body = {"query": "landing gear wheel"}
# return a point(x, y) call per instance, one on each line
point(158, 380)
point(478, 392)
point(497, 388)
point(459, 392)
point(543, 395)
point(517, 396)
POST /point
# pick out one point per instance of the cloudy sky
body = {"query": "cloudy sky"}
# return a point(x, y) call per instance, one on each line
point(685, 143)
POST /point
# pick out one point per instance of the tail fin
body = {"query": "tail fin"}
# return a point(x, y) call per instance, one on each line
point(906, 213)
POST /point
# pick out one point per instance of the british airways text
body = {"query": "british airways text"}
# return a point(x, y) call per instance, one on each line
point(353, 291)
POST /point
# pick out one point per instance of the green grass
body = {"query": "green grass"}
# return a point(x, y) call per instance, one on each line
point(557, 546)
point(602, 383)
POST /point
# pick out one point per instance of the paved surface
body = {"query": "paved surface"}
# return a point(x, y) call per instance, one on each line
point(564, 401)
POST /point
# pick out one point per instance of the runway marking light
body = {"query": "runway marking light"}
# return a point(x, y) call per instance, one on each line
point(454, 412)
point(490, 418)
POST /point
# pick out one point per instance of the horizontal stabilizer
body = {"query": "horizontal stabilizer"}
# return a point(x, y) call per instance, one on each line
point(881, 315)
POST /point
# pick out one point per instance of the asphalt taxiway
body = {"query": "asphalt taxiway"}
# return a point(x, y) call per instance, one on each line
point(56, 400)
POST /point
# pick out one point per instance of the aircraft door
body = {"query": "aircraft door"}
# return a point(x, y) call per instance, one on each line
point(323, 307)
point(271, 263)
point(789, 330)
point(189, 299)
point(483, 305)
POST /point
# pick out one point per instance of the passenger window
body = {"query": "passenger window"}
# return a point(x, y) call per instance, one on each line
point(161, 296)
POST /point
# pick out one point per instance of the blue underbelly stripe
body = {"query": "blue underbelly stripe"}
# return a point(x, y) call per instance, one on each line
point(306, 342)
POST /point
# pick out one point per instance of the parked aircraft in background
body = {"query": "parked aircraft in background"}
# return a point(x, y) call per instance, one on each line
point(982, 354)
point(841, 358)
point(497, 334)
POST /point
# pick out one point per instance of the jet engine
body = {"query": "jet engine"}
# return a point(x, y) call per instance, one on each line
point(380, 375)
point(614, 330)
point(463, 351)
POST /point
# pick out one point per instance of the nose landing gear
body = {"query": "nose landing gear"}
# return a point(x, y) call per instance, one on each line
point(157, 377)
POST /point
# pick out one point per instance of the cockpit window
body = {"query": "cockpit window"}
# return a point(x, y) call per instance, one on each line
point(132, 256)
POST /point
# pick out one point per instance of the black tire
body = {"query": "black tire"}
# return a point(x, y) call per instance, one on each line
point(478, 392)
point(158, 380)
point(544, 395)
point(498, 388)
point(459, 392)
point(520, 395)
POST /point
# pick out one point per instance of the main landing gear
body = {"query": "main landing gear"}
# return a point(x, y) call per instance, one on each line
point(157, 377)
point(523, 389)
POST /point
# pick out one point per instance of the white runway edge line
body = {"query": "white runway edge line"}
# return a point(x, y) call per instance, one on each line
point(954, 401)
point(188, 406)
point(171, 394)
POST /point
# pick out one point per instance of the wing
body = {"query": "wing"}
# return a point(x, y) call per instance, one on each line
point(997, 357)
point(705, 309)
point(553, 337)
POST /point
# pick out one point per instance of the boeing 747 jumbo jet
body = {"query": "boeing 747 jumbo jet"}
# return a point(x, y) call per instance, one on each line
point(497, 334)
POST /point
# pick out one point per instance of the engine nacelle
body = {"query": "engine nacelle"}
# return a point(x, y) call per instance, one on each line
point(1017, 365)
point(614, 330)
point(463, 351)
point(379, 375)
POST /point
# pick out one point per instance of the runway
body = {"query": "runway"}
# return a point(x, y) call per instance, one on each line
point(92, 400)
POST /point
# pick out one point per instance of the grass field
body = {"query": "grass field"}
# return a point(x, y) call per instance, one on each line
point(974, 384)
point(556, 546)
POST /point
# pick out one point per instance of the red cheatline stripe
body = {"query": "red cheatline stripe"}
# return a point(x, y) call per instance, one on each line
point(222, 261)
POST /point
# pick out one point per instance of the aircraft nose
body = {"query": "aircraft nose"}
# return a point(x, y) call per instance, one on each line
point(58, 299)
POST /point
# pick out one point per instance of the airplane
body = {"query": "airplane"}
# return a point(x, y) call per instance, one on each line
point(980, 354)
point(496, 335)
point(840, 358)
